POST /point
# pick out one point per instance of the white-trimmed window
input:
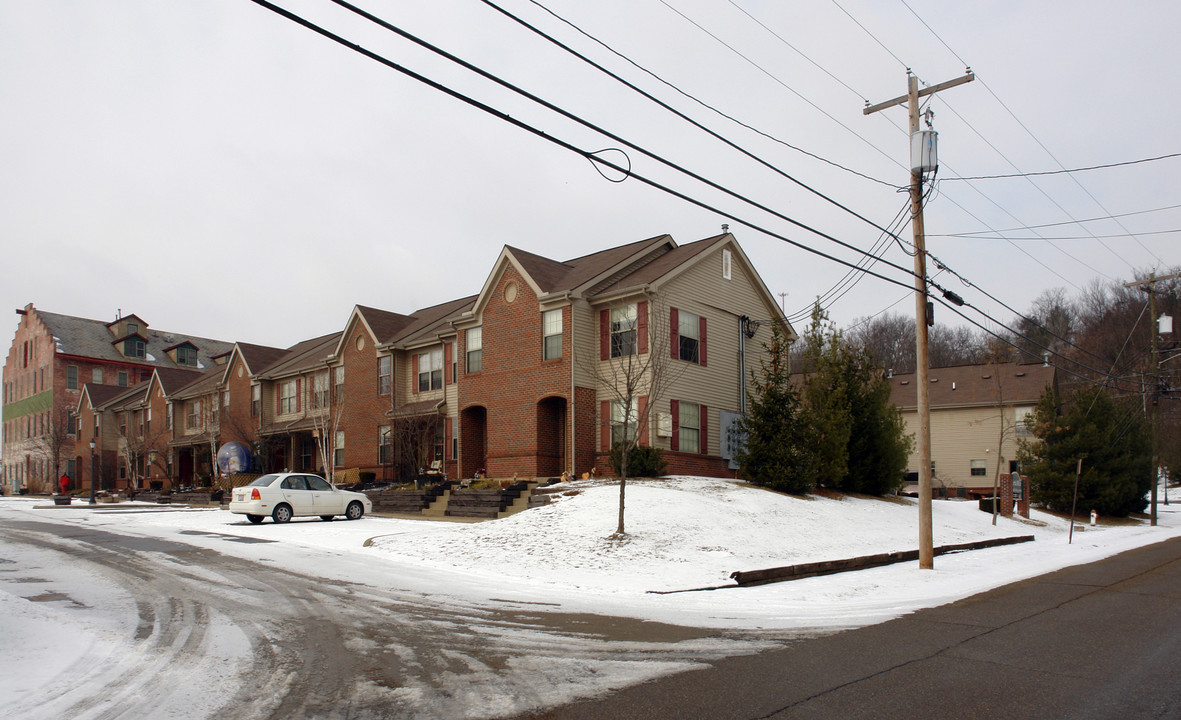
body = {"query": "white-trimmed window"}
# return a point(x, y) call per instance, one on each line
point(287, 397)
point(193, 419)
point(475, 350)
point(385, 364)
point(121, 378)
point(338, 449)
point(320, 394)
point(338, 383)
point(689, 336)
point(690, 427)
point(623, 330)
point(1021, 417)
point(96, 376)
point(551, 334)
point(430, 370)
point(255, 400)
point(71, 377)
point(979, 468)
point(618, 416)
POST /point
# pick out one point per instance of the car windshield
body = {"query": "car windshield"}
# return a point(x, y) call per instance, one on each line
point(263, 481)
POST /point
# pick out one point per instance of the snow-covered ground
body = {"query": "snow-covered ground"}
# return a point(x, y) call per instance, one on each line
point(683, 533)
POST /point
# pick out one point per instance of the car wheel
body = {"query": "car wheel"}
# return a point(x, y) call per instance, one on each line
point(255, 519)
point(282, 513)
point(354, 511)
point(327, 518)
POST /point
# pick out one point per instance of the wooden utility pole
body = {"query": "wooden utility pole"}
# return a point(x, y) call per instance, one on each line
point(1149, 286)
point(922, 357)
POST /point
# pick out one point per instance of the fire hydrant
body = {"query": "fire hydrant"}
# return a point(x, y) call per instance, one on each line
point(1094, 517)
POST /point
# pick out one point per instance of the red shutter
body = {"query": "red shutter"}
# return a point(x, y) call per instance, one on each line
point(704, 432)
point(447, 438)
point(642, 325)
point(604, 335)
point(642, 407)
point(674, 408)
point(701, 340)
point(447, 355)
point(298, 394)
point(414, 373)
point(605, 428)
point(674, 334)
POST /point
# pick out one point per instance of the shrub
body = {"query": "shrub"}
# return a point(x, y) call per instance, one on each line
point(642, 461)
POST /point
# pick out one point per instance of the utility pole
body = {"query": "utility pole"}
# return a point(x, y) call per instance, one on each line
point(1149, 286)
point(922, 357)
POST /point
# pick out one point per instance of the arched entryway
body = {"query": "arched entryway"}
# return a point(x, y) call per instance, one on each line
point(473, 440)
point(552, 434)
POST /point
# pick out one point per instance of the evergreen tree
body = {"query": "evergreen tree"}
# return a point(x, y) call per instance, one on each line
point(779, 448)
point(1111, 437)
point(863, 447)
point(826, 398)
point(879, 448)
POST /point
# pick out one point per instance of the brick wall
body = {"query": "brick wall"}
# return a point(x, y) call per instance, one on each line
point(364, 410)
point(513, 386)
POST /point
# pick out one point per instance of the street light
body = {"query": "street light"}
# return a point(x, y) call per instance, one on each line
point(93, 472)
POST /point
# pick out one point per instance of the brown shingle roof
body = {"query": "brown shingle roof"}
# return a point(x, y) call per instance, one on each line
point(259, 357)
point(976, 385)
point(385, 324)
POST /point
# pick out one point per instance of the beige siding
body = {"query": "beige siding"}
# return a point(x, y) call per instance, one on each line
point(961, 435)
point(702, 291)
point(585, 321)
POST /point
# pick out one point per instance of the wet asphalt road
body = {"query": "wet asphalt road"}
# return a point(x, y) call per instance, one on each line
point(1094, 641)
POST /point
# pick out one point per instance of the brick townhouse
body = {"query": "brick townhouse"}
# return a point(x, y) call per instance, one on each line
point(544, 339)
point(514, 380)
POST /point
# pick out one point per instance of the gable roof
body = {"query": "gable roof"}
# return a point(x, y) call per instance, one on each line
point(99, 395)
point(975, 385)
point(258, 357)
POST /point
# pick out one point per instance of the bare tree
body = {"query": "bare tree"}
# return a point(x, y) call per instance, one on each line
point(638, 366)
point(325, 425)
point(414, 443)
point(52, 444)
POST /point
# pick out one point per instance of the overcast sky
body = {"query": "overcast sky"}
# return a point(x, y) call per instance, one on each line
point(221, 171)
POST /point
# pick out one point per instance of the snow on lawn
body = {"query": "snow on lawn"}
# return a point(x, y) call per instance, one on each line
point(682, 533)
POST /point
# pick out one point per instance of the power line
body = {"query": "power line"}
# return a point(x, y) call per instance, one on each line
point(589, 155)
point(692, 97)
point(787, 87)
point(674, 111)
point(575, 118)
point(1038, 141)
point(987, 235)
point(1071, 222)
point(1061, 172)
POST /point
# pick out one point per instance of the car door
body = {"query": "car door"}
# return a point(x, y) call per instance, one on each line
point(326, 500)
point(297, 495)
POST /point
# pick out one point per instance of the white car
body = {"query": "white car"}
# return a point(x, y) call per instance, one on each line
point(287, 495)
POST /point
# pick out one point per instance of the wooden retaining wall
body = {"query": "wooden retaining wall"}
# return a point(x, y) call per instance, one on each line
point(831, 567)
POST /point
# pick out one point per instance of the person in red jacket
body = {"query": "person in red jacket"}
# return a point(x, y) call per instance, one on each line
point(65, 482)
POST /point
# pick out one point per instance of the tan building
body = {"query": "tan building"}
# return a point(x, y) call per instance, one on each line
point(977, 420)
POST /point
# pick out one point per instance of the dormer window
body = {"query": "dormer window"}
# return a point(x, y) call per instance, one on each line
point(134, 347)
point(186, 355)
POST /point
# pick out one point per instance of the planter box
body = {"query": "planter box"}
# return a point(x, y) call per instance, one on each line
point(62, 499)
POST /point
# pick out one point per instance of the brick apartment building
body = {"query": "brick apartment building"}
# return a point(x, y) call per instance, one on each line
point(512, 380)
point(52, 358)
